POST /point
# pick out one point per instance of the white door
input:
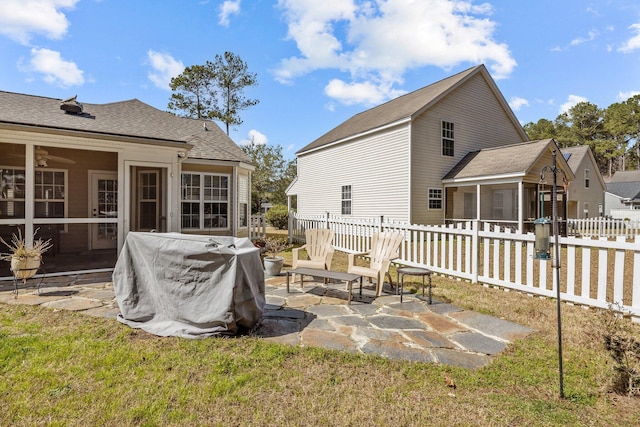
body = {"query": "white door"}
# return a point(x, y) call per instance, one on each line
point(104, 204)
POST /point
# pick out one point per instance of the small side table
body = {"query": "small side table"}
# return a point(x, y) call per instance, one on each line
point(413, 271)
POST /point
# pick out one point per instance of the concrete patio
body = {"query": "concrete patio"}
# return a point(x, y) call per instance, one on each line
point(318, 316)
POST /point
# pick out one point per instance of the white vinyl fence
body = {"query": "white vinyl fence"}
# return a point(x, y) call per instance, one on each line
point(258, 227)
point(594, 272)
point(603, 227)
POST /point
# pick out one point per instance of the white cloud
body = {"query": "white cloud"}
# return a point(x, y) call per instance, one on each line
point(367, 93)
point(55, 69)
point(623, 96)
point(634, 42)
point(164, 67)
point(591, 36)
point(228, 8)
point(20, 19)
point(255, 137)
point(572, 100)
point(516, 103)
point(377, 42)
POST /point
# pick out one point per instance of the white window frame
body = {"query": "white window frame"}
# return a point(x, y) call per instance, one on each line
point(201, 201)
point(64, 200)
point(447, 133)
point(586, 178)
point(7, 191)
point(431, 198)
point(344, 200)
point(243, 201)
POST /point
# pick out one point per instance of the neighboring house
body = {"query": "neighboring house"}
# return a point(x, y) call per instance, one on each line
point(623, 194)
point(85, 175)
point(390, 160)
point(585, 195)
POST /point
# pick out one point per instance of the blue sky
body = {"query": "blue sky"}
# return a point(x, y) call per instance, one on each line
point(320, 62)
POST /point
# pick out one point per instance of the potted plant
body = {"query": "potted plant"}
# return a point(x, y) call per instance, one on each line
point(25, 261)
point(272, 262)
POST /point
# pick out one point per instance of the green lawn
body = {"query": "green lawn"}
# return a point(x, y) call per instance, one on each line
point(63, 368)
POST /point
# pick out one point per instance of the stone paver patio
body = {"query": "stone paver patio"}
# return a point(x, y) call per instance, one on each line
point(319, 316)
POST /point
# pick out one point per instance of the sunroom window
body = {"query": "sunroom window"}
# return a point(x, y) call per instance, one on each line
point(205, 201)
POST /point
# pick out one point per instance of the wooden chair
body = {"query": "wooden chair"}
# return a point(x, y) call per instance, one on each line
point(384, 248)
point(319, 250)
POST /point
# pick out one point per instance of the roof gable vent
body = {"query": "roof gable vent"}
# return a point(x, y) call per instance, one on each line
point(71, 105)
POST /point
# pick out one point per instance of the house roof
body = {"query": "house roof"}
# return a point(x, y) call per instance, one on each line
point(575, 156)
point(516, 159)
point(626, 176)
point(404, 107)
point(131, 118)
point(625, 190)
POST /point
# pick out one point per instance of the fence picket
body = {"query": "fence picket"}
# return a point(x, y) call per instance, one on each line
point(487, 250)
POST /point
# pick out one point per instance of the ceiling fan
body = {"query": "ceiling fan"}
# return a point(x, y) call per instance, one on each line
point(42, 156)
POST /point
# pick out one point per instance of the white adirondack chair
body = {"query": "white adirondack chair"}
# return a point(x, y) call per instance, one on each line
point(319, 250)
point(384, 248)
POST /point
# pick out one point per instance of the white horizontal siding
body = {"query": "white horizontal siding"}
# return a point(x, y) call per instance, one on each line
point(376, 167)
point(480, 122)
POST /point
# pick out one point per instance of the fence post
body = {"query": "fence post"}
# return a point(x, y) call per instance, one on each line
point(380, 225)
point(475, 250)
point(326, 220)
point(290, 227)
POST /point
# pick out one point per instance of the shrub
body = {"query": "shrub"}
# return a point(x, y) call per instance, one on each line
point(624, 348)
point(278, 217)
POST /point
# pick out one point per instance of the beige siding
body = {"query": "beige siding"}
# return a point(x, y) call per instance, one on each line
point(579, 194)
point(375, 166)
point(480, 122)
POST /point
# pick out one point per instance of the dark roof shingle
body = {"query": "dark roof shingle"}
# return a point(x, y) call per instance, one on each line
point(131, 118)
point(508, 159)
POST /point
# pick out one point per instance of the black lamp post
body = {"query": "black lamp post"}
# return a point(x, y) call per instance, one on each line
point(542, 252)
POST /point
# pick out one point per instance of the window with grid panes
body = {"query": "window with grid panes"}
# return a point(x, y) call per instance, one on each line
point(49, 193)
point(346, 200)
point(435, 198)
point(12, 192)
point(205, 201)
point(447, 139)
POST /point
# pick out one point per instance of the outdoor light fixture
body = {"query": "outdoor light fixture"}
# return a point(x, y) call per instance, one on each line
point(542, 238)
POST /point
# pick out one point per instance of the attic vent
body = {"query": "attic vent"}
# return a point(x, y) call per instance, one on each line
point(71, 105)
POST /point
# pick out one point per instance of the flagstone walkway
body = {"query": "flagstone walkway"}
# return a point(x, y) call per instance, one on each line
point(318, 316)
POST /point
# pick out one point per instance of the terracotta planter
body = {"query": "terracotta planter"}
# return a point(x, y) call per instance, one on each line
point(25, 267)
point(273, 265)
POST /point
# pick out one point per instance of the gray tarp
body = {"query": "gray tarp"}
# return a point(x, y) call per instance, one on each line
point(191, 286)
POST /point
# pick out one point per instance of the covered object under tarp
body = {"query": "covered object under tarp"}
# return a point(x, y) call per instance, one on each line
point(191, 286)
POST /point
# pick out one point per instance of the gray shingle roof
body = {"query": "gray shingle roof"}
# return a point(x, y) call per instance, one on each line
point(399, 108)
point(575, 154)
point(508, 159)
point(626, 190)
point(626, 176)
point(131, 118)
